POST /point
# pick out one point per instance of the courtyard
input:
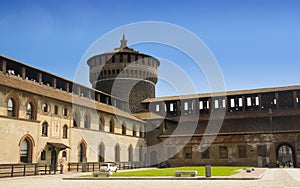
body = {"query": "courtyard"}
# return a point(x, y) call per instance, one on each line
point(277, 177)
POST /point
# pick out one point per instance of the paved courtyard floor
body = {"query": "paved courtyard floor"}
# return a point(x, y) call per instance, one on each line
point(272, 178)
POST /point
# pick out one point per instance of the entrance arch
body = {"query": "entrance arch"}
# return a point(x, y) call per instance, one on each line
point(82, 152)
point(286, 154)
point(26, 145)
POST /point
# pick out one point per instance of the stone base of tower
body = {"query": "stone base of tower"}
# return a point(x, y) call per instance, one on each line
point(133, 91)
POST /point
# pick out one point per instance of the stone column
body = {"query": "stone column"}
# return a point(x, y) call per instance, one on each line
point(98, 97)
point(243, 103)
point(23, 73)
point(40, 78)
point(277, 100)
point(260, 101)
point(78, 90)
point(68, 87)
point(89, 95)
point(178, 108)
point(54, 82)
point(4, 66)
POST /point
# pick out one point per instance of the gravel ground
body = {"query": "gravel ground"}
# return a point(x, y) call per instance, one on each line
point(272, 178)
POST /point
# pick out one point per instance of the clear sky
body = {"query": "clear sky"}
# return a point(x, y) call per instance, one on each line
point(256, 42)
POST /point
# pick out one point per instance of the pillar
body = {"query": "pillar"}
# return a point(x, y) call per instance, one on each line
point(23, 73)
point(277, 100)
point(40, 78)
point(54, 82)
point(4, 66)
point(244, 103)
point(178, 109)
point(67, 87)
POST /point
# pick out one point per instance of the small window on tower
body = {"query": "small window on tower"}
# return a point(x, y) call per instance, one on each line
point(157, 108)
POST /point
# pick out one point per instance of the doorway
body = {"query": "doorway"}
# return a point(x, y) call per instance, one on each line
point(53, 160)
point(286, 155)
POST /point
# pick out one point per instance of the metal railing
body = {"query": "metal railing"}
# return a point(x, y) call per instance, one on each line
point(28, 169)
point(32, 169)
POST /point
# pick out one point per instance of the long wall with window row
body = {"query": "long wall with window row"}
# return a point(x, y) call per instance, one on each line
point(265, 101)
point(14, 68)
point(34, 122)
point(41, 122)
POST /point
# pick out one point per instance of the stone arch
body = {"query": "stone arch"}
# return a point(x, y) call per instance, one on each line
point(111, 125)
point(82, 147)
point(101, 152)
point(290, 154)
point(117, 152)
point(130, 153)
point(87, 120)
point(16, 105)
point(26, 145)
point(76, 118)
point(141, 153)
point(65, 131)
point(45, 128)
point(31, 109)
point(101, 123)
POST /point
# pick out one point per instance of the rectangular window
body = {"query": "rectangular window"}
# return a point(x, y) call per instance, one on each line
point(128, 58)
point(121, 57)
point(186, 105)
point(201, 105)
point(242, 150)
point(205, 154)
point(207, 104)
point(55, 109)
point(232, 103)
point(157, 108)
point(274, 101)
point(249, 102)
point(216, 103)
point(171, 107)
point(297, 100)
point(223, 103)
point(240, 102)
point(188, 152)
point(223, 152)
point(256, 101)
point(262, 151)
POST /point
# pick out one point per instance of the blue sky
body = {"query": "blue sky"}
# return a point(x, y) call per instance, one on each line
point(256, 43)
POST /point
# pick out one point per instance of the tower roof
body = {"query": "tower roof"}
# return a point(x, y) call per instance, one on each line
point(123, 42)
point(123, 47)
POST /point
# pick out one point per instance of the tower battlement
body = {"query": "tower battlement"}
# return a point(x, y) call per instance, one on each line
point(125, 73)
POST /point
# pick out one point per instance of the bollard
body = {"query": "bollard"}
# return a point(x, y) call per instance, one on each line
point(207, 171)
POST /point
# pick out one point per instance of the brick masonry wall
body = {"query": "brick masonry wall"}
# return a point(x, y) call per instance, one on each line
point(135, 91)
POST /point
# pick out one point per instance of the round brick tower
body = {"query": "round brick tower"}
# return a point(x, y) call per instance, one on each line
point(125, 73)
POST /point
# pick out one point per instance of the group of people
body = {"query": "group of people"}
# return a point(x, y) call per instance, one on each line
point(287, 164)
